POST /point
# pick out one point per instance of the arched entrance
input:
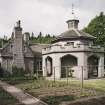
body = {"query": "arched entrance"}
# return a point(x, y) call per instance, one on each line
point(49, 66)
point(93, 66)
point(67, 63)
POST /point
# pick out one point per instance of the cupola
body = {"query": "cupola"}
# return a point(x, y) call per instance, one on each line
point(73, 21)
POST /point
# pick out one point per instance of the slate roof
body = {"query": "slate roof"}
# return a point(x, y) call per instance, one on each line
point(74, 34)
point(37, 48)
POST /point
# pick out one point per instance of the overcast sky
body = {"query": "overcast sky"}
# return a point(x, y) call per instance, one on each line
point(47, 16)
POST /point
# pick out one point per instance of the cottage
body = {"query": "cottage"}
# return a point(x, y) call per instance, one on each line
point(18, 52)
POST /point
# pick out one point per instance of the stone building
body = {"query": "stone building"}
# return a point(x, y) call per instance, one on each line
point(73, 53)
point(19, 53)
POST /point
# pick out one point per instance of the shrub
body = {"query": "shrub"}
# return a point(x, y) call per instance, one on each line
point(1, 72)
point(4, 73)
point(18, 71)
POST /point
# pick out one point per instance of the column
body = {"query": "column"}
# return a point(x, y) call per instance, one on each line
point(101, 67)
point(82, 65)
point(44, 66)
point(57, 67)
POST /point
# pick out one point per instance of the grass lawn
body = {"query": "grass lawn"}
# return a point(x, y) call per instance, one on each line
point(7, 99)
point(54, 93)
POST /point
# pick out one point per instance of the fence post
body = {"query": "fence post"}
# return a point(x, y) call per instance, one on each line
point(67, 74)
point(37, 73)
point(82, 80)
point(54, 76)
point(44, 72)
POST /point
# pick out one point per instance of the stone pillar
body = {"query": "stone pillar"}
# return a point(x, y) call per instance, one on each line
point(56, 67)
point(44, 66)
point(101, 67)
point(82, 65)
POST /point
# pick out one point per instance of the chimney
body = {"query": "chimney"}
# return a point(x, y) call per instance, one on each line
point(18, 30)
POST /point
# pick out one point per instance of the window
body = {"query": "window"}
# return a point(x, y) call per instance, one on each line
point(39, 65)
point(39, 68)
point(70, 43)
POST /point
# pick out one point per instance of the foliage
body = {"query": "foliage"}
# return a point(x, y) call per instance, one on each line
point(18, 71)
point(3, 41)
point(97, 28)
point(1, 72)
point(59, 91)
point(41, 38)
point(56, 100)
point(33, 39)
point(4, 73)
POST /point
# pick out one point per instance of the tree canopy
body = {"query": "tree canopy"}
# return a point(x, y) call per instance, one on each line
point(46, 39)
point(96, 28)
point(40, 38)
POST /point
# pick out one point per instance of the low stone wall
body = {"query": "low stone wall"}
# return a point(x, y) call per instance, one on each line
point(88, 101)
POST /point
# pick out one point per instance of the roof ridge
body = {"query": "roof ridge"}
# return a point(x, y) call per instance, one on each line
point(77, 32)
point(87, 34)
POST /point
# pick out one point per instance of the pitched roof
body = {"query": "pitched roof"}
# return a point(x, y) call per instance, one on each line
point(74, 34)
point(37, 48)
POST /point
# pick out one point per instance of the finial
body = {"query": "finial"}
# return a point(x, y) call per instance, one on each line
point(18, 23)
point(72, 8)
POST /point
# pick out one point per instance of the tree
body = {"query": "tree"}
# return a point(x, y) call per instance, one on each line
point(97, 28)
point(40, 37)
point(32, 36)
point(44, 39)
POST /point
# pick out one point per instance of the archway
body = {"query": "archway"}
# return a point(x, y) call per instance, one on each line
point(93, 66)
point(67, 63)
point(49, 66)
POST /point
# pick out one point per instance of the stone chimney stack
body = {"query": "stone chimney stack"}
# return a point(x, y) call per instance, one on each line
point(18, 47)
point(18, 30)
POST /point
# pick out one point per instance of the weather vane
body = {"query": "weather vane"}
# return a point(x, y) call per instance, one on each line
point(72, 8)
point(18, 23)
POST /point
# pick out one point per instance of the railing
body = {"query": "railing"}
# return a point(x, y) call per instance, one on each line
point(59, 48)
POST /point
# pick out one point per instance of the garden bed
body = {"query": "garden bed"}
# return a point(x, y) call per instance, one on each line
point(57, 92)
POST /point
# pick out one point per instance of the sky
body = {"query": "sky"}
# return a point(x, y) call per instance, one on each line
point(46, 16)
